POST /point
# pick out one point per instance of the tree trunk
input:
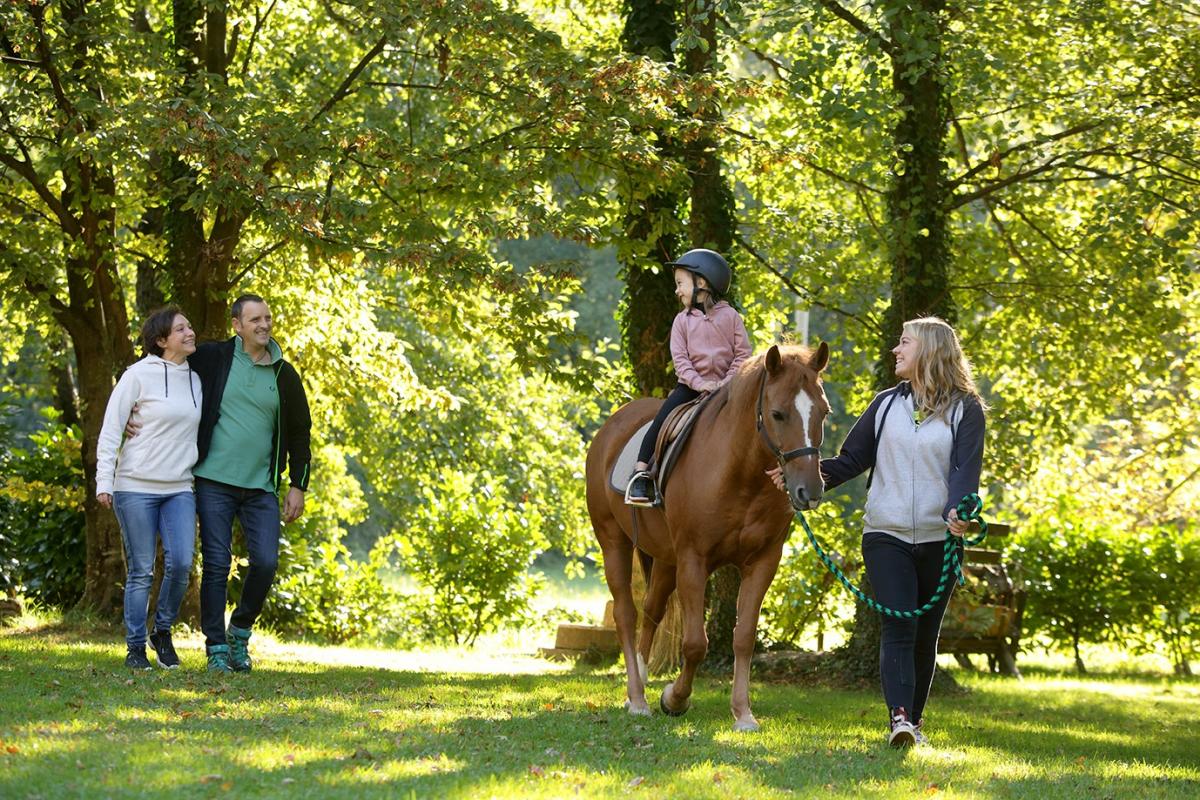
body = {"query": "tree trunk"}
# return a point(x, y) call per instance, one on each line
point(917, 233)
point(711, 225)
point(105, 568)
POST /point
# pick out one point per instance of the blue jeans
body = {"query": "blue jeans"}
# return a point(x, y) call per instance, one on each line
point(258, 511)
point(144, 518)
point(904, 576)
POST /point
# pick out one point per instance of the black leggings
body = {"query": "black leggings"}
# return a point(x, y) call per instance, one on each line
point(904, 577)
point(679, 395)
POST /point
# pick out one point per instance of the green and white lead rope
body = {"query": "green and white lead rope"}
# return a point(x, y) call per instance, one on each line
point(969, 508)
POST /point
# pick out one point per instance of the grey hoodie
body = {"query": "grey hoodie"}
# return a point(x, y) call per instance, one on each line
point(160, 458)
point(920, 472)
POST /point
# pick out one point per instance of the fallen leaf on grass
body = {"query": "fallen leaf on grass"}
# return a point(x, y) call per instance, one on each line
point(363, 753)
point(718, 777)
point(11, 748)
point(636, 782)
point(537, 771)
point(211, 778)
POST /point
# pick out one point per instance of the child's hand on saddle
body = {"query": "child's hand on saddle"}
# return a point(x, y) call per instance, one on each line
point(776, 476)
point(709, 386)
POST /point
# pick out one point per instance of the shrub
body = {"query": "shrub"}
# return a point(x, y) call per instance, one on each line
point(470, 549)
point(42, 537)
point(1076, 574)
point(1164, 570)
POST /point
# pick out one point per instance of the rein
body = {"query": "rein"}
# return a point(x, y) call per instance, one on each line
point(968, 508)
point(780, 456)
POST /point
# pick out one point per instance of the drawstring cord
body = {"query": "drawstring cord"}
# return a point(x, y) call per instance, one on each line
point(167, 385)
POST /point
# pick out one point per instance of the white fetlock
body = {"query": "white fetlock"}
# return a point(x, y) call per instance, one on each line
point(644, 711)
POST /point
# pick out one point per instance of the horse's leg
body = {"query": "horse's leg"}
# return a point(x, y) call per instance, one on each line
point(661, 583)
point(618, 572)
point(756, 577)
point(690, 576)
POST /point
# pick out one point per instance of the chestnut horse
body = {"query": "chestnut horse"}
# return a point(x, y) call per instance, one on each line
point(720, 508)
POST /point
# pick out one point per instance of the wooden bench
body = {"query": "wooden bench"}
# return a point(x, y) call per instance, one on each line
point(985, 614)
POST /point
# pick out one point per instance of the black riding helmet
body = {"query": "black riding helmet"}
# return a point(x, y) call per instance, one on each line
point(711, 265)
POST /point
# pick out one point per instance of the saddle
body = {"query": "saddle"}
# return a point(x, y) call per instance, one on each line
point(672, 437)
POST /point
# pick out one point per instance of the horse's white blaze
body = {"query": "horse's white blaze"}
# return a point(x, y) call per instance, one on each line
point(804, 406)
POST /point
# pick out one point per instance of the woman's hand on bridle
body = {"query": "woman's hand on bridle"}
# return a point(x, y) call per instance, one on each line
point(776, 476)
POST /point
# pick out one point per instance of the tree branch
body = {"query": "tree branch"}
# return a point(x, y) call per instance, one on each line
point(344, 89)
point(37, 13)
point(799, 291)
point(1026, 145)
point(259, 22)
point(1055, 162)
point(25, 169)
point(861, 26)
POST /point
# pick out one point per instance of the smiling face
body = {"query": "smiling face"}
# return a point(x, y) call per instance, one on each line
point(180, 342)
point(685, 284)
point(254, 325)
point(907, 355)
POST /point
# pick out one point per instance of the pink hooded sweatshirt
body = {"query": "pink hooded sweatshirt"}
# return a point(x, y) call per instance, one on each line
point(708, 347)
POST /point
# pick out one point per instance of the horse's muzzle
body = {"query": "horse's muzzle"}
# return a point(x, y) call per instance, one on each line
point(802, 500)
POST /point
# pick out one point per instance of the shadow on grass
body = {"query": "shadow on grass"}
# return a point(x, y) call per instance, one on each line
point(83, 726)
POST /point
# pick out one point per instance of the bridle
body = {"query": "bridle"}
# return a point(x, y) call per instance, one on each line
point(780, 456)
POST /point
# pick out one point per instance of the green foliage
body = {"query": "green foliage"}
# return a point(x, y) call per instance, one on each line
point(41, 516)
point(470, 548)
point(327, 594)
point(1165, 573)
point(1079, 576)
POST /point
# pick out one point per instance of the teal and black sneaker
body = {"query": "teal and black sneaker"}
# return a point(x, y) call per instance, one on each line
point(218, 658)
point(239, 649)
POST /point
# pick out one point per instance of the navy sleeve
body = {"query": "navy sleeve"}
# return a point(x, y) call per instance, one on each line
point(967, 460)
point(858, 451)
point(299, 429)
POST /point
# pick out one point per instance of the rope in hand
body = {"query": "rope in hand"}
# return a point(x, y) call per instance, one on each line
point(969, 508)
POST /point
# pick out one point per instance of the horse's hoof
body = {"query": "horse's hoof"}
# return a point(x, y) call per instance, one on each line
point(662, 703)
point(637, 711)
point(746, 726)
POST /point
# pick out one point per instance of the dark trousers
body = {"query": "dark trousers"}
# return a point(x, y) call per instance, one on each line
point(217, 504)
point(679, 395)
point(904, 577)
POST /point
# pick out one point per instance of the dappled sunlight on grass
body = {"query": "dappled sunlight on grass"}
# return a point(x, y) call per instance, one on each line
point(333, 726)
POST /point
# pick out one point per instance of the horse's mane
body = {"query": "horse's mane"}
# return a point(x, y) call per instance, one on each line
point(743, 389)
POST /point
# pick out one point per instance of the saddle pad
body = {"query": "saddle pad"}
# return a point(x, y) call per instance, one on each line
point(622, 470)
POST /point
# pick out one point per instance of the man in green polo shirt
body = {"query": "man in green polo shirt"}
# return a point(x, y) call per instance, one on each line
point(254, 422)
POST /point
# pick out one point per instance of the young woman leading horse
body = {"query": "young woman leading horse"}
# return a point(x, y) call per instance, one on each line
point(719, 508)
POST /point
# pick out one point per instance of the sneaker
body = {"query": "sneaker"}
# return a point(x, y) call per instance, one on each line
point(239, 649)
point(218, 658)
point(164, 649)
point(136, 659)
point(918, 735)
point(640, 491)
point(902, 733)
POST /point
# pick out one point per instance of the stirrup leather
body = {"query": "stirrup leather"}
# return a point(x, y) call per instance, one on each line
point(629, 488)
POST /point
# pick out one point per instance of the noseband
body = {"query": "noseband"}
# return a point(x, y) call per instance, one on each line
point(780, 456)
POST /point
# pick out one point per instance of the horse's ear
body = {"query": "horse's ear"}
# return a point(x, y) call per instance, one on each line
point(774, 360)
point(820, 359)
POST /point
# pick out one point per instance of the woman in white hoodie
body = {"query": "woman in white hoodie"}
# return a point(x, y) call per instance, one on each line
point(147, 480)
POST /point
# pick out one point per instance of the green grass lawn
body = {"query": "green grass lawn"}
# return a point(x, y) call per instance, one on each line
point(343, 722)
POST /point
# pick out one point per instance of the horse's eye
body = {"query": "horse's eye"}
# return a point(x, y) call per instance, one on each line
point(778, 416)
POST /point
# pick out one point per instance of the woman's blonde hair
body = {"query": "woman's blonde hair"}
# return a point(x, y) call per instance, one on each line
point(942, 375)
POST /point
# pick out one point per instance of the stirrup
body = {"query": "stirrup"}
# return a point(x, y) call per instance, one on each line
point(640, 502)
